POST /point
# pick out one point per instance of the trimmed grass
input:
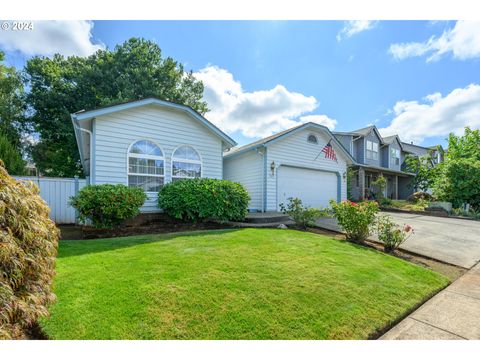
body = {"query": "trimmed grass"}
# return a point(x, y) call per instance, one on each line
point(231, 284)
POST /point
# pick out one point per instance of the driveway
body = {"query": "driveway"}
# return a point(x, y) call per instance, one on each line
point(453, 241)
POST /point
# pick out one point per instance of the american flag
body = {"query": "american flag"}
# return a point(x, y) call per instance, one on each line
point(329, 152)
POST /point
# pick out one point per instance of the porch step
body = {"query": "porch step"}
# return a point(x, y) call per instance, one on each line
point(268, 217)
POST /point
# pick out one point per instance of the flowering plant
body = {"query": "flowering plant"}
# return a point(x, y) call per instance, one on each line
point(390, 234)
point(355, 218)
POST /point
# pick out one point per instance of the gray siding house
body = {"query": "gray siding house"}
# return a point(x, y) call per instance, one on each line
point(376, 155)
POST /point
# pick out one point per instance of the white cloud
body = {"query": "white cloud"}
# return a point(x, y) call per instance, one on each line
point(51, 37)
point(463, 41)
point(320, 119)
point(436, 115)
point(257, 113)
point(353, 27)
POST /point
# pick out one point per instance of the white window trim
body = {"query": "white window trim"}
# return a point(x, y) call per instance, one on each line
point(186, 161)
point(145, 156)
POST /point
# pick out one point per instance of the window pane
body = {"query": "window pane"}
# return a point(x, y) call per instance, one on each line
point(186, 153)
point(137, 148)
point(145, 147)
point(145, 166)
point(192, 154)
point(183, 169)
point(147, 183)
point(312, 139)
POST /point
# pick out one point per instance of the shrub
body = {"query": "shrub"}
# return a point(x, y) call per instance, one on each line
point(420, 195)
point(458, 183)
point(355, 219)
point(108, 205)
point(28, 247)
point(303, 216)
point(390, 234)
point(385, 202)
point(202, 199)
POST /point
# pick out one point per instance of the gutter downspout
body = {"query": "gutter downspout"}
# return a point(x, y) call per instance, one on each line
point(91, 149)
point(261, 152)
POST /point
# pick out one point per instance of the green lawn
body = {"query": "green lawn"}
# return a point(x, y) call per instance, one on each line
point(231, 284)
point(406, 205)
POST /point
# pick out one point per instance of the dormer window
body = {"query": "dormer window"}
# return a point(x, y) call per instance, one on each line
point(372, 150)
point(312, 139)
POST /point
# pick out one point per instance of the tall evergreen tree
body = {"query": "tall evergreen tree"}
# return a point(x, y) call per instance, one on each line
point(60, 86)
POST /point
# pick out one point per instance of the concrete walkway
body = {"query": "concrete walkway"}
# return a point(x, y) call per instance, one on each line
point(452, 314)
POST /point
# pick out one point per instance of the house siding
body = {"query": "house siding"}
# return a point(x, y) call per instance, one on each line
point(358, 150)
point(247, 169)
point(114, 133)
point(385, 153)
point(295, 150)
point(346, 141)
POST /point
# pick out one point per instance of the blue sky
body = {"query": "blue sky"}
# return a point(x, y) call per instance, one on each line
point(346, 73)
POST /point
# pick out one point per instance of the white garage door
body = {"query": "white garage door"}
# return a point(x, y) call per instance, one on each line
point(314, 187)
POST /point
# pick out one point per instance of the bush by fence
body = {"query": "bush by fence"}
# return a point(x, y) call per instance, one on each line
point(108, 205)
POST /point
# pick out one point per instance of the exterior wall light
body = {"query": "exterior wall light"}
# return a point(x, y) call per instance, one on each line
point(272, 167)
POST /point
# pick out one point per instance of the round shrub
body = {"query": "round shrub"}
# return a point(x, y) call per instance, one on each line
point(201, 199)
point(28, 248)
point(107, 205)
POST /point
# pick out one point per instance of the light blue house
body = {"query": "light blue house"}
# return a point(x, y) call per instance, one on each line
point(148, 143)
point(305, 162)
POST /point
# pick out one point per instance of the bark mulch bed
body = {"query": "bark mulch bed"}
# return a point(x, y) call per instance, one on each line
point(142, 224)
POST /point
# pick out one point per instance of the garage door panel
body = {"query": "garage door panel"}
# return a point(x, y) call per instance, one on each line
point(314, 187)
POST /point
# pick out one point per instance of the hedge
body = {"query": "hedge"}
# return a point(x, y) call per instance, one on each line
point(203, 199)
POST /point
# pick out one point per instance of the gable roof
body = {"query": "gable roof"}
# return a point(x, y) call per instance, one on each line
point(90, 114)
point(390, 139)
point(269, 139)
point(362, 132)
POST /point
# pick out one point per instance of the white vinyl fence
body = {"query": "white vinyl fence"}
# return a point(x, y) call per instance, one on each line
point(57, 192)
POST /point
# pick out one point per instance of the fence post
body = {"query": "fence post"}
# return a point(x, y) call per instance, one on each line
point(77, 188)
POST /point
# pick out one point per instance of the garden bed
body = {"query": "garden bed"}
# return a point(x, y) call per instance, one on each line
point(152, 223)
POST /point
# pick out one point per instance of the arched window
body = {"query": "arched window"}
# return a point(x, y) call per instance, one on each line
point(146, 166)
point(186, 163)
point(312, 139)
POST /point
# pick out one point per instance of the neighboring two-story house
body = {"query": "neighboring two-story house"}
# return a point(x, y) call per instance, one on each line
point(376, 155)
